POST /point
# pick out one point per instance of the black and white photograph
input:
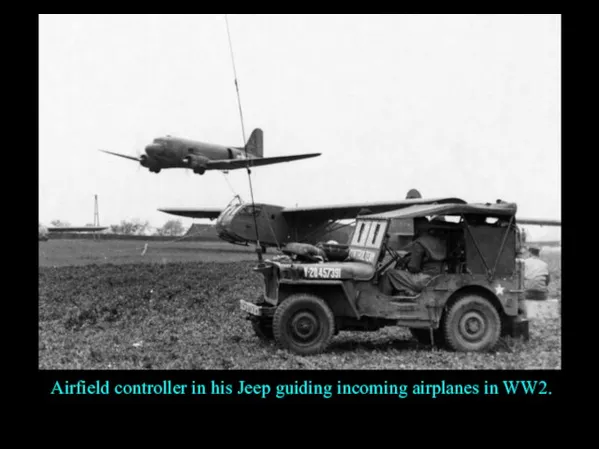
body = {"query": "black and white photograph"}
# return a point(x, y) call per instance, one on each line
point(299, 192)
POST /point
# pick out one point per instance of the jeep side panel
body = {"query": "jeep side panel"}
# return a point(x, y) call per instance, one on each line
point(339, 295)
point(503, 289)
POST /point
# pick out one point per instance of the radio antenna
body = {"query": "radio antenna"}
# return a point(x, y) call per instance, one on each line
point(258, 246)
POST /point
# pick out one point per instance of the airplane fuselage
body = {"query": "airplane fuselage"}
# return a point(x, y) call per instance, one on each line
point(237, 224)
point(175, 152)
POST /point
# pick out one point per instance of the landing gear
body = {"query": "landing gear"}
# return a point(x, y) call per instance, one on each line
point(199, 170)
point(155, 170)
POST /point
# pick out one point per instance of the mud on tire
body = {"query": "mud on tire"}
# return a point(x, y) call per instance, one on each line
point(303, 324)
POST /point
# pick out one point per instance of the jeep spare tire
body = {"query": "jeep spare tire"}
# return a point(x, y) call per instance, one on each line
point(303, 324)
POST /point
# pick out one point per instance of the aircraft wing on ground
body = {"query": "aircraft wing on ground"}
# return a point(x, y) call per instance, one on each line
point(349, 211)
point(77, 229)
point(538, 222)
point(206, 212)
point(232, 164)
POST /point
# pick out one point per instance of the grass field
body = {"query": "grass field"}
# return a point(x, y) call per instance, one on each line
point(56, 253)
point(180, 311)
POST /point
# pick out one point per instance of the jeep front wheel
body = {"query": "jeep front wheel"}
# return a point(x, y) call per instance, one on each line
point(303, 324)
point(472, 325)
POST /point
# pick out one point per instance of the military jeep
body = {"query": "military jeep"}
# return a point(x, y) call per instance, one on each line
point(477, 298)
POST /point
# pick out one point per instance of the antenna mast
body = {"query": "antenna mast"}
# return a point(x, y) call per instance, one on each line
point(258, 246)
point(96, 215)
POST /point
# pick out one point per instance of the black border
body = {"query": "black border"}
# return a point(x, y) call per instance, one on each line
point(45, 379)
point(549, 386)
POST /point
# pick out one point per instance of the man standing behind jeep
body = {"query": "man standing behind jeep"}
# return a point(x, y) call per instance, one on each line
point(536, 275)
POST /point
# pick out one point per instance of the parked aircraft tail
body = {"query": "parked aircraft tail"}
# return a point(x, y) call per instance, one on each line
point(413, 194)
point(255, 144)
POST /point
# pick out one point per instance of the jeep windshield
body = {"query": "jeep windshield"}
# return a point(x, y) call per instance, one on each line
point(365, 243)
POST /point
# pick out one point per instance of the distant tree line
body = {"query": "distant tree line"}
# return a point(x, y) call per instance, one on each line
point(137, 227)
point(60, 224)
point(171, 228)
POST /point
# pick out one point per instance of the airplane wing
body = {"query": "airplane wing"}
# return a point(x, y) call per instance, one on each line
point(538, 222)
point(211, 213)
point(133, 158)
point(349, 211)
point(232, 164)
point(77, 229)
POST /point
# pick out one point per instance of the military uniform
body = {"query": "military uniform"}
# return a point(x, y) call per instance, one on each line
point(536, 278)
point(425, 260)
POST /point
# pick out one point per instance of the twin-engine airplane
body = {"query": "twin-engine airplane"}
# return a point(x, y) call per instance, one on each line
point(279, 225)
point(175, 152)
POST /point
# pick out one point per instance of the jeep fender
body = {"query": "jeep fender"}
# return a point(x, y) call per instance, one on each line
point(482, 291)
point(505, 300)
point(339, 295)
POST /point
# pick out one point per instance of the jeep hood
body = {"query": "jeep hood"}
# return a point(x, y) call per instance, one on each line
point(358, 271)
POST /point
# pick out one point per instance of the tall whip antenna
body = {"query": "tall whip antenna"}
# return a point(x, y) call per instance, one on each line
point(258, 246)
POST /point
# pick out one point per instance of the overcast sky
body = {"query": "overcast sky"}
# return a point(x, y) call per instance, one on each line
point(453, 105)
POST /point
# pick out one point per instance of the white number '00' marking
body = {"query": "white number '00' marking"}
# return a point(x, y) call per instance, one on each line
point(319, 272)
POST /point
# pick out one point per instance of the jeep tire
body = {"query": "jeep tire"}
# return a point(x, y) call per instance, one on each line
point(472, 324)
point(303, 324)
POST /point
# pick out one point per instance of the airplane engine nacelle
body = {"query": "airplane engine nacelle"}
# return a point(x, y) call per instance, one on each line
point(197, 163)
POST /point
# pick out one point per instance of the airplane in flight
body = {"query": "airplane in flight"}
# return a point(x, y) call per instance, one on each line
point(278, 225)
point(175, 152)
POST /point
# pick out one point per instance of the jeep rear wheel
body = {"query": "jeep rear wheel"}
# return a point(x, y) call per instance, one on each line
point(304, 324)
point(472, 325)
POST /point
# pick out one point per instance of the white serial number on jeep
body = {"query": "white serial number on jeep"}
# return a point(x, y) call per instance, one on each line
point(358, 254)
point(322, 273)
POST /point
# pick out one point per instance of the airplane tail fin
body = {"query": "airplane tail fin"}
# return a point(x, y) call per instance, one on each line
point(255, 144)
point(413, 194)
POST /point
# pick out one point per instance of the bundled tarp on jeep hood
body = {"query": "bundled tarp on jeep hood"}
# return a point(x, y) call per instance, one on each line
point(424, 210)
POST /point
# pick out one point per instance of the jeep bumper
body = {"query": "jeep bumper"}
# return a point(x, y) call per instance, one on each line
point(253, 309)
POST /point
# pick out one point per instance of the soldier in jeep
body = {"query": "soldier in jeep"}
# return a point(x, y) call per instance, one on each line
point(423, 261)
